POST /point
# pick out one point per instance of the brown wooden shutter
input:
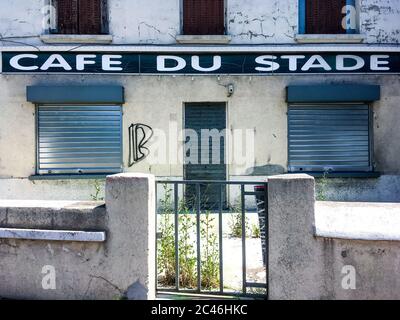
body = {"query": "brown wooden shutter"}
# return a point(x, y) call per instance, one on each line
point(79, 16)
point(324, 16)
point(89, 16)
point(67, 16)
point(203, 17)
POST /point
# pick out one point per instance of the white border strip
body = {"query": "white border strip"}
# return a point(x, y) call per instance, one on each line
point(52, 235)
point(210, 49)
point(356, 235)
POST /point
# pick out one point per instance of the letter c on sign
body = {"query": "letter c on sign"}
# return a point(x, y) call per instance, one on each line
point(14, 62)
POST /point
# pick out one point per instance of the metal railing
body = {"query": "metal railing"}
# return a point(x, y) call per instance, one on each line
point(191, 192)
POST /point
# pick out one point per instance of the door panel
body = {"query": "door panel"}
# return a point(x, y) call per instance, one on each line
point(207, 160)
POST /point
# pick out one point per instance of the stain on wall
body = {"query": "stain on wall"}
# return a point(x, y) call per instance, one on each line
point(379, 20)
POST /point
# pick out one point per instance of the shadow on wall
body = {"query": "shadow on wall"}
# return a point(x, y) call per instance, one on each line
point(386, 188)
point(265, 170)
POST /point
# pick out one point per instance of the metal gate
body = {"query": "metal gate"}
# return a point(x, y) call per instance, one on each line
point(211, 251)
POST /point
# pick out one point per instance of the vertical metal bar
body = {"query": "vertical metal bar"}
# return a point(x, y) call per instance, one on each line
point(221, 256)
point(176, 236)
point(198, 206)
point(156, 222)
point(244, 272)
point(121, 150)
point(266, 234)
point(37, 107)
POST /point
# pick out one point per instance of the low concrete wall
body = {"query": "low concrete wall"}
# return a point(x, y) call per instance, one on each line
point(122, 266)
point(96, 251)
point(60, 189)
point(330, 250)
point(385, 188)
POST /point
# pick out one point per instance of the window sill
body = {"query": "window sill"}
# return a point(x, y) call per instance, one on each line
point(77, 38)
point(68, 176)
point(203, 39)
point(329, 38)
point(348, 174)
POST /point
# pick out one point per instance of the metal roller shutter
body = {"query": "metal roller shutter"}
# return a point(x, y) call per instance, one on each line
point(209, 116)
point(79, 139)
point(329, 138)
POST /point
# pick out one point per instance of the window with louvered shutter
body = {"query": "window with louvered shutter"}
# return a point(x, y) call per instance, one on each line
point(203, 17)
point(67, 16)
point(329, 137)
point(81, 16)
point(79, 139)
point(324, 16)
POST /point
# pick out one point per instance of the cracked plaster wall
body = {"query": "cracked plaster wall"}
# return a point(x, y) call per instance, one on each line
point(380, 20)
point(258, 21)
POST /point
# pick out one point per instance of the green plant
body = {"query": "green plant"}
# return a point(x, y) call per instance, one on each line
point(166, 259)
point(321, 188)
point(257, 291)
point(235, 225)
point(187, 254)
point(97, 190)
point(235, 222)
point(165, 244)
point(255, 231)
point(210, 255)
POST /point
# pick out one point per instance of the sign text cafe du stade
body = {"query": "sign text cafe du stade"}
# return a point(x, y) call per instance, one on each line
point(200, 63)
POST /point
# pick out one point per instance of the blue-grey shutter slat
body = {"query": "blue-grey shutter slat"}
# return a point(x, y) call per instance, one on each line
point(209, 116)
point(79, 139)
point(329, 138)
point(206, 116)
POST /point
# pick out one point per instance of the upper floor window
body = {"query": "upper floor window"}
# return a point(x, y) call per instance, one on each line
point(327, 16)
point(80, 17)
point(203, 17)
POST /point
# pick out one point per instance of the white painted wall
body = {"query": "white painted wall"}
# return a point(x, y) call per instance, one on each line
point(144, 21)
point(380, 20)
point(158, 21)
point(260, 21)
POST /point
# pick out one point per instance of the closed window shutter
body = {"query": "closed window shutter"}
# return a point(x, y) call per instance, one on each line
point(324, 16)
point(67, 16)
point(329, 138)
point(79, 139)
point(90, 16)
point(80, 16)
point(203, 17)
point(198, 117)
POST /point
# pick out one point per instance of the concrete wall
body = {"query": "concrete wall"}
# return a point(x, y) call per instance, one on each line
point(305, 266)
point(158, 21)
point(310, 245)
point(258, 104)
point(121, 267)
point(386, 188)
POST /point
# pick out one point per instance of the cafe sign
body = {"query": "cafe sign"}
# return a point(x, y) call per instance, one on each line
point(201, 63)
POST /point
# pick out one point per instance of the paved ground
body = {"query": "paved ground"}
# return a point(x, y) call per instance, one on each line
point(233, 262)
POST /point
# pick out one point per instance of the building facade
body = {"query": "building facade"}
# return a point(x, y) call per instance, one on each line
point(92, 87)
